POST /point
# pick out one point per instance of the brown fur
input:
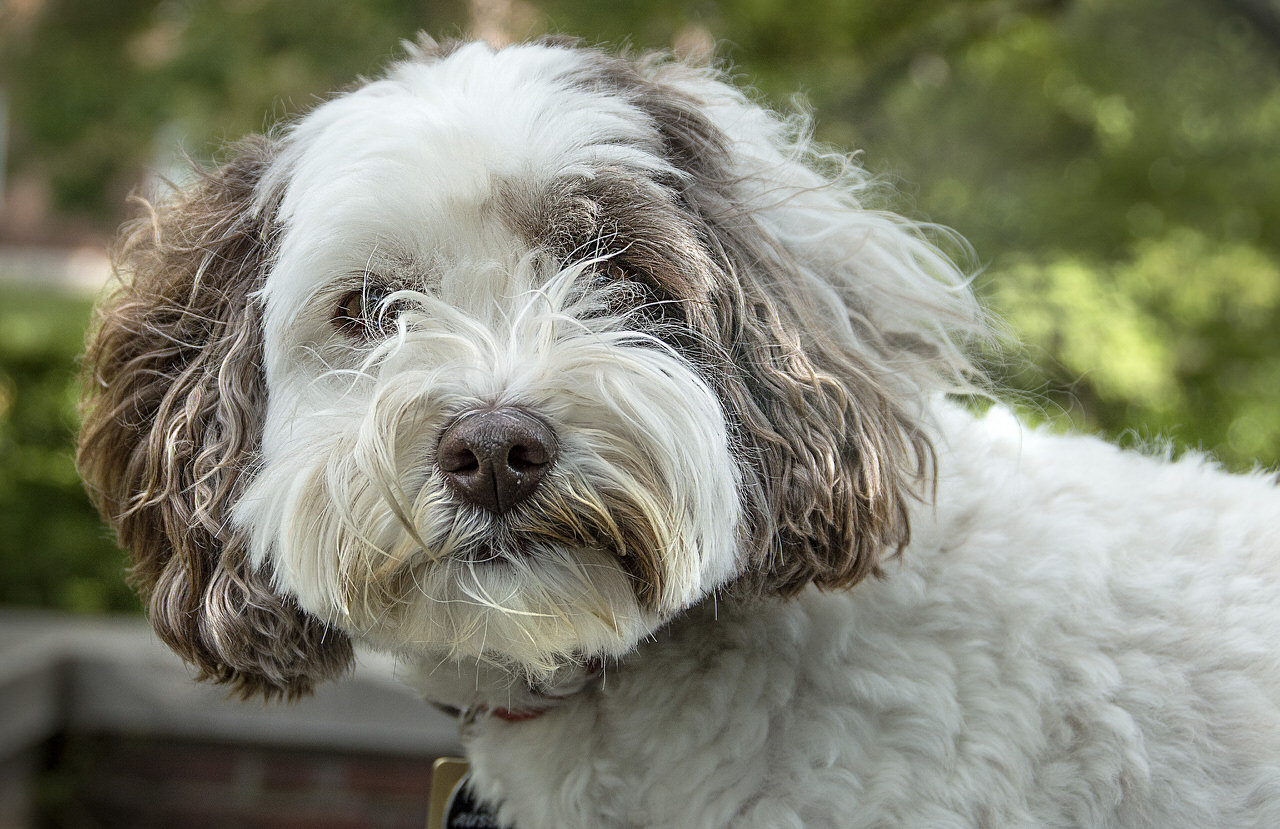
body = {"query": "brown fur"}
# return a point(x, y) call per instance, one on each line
point(174, 399)
point(833, 457)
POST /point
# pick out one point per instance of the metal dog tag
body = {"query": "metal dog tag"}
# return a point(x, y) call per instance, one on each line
point(451, 805)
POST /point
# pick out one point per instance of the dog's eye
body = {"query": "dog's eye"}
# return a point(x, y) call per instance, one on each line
point(360, 312)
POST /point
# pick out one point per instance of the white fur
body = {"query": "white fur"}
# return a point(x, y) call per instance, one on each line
point(1050, 651)
point(1076, 636)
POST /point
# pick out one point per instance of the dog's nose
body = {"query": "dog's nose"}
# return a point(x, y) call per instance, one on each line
point(496, 459)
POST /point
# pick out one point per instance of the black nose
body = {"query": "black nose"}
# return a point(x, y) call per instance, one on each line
point(496, 459)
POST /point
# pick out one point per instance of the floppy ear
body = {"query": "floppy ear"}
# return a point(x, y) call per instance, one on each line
point(174, 399)
point(833, 322)
point(839, 455)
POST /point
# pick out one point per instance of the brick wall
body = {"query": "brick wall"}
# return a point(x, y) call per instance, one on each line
point(108, 781)
point(17, 775)
point(101, 726)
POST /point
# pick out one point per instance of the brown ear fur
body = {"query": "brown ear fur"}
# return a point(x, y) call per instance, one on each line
point(174, 399)
point(831, 453)
point(839, 458)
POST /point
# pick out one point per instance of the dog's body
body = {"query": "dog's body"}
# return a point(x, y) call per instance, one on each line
point(566, 378)
point(1049, 651)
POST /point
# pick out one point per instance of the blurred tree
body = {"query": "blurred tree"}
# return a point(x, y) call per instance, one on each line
point(77, 112)
point(53, 549)
point(95, 86)
point(1119, 182)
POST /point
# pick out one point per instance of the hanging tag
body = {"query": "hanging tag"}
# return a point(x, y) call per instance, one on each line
point(451, 805)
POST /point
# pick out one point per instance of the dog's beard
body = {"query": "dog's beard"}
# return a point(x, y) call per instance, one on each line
point(574, 570)
point(637, 519)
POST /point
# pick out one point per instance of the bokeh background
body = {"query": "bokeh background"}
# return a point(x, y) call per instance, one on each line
point(1115, 165)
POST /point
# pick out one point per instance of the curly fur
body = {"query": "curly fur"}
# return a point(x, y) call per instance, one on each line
point(173, 425)
point(743, 365)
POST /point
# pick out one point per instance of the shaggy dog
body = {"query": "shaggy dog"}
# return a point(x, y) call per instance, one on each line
point(584, 385)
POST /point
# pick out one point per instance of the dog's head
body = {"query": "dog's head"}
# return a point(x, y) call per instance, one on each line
point(510, 355)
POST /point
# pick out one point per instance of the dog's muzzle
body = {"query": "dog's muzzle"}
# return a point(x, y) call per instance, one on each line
point(495, 459)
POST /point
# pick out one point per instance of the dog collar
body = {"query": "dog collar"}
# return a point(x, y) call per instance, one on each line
point(525, 714)
point(517, 714)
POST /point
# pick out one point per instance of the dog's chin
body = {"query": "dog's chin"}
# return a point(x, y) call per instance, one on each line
point(527, 593)
point(530, 609)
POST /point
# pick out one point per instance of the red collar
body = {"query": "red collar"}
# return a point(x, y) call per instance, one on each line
point(514, 715)
point(518, 714)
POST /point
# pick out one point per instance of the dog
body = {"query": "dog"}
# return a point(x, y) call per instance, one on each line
point(588, 387)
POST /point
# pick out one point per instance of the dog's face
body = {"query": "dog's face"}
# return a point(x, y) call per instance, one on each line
point(508, 356)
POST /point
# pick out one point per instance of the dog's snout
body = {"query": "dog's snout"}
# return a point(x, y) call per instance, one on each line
point(496, 459)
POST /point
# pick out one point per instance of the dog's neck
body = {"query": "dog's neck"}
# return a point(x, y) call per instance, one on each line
point(476, 689)
point(471, 690)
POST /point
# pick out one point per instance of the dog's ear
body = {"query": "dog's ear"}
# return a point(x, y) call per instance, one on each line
point(833, 322)
point(837, 454)
point(174, 400)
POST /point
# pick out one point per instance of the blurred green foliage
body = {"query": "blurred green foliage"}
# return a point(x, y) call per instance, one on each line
point(53, 549)
point(101, 90)
point(1115, 165)
point(1121, 182)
